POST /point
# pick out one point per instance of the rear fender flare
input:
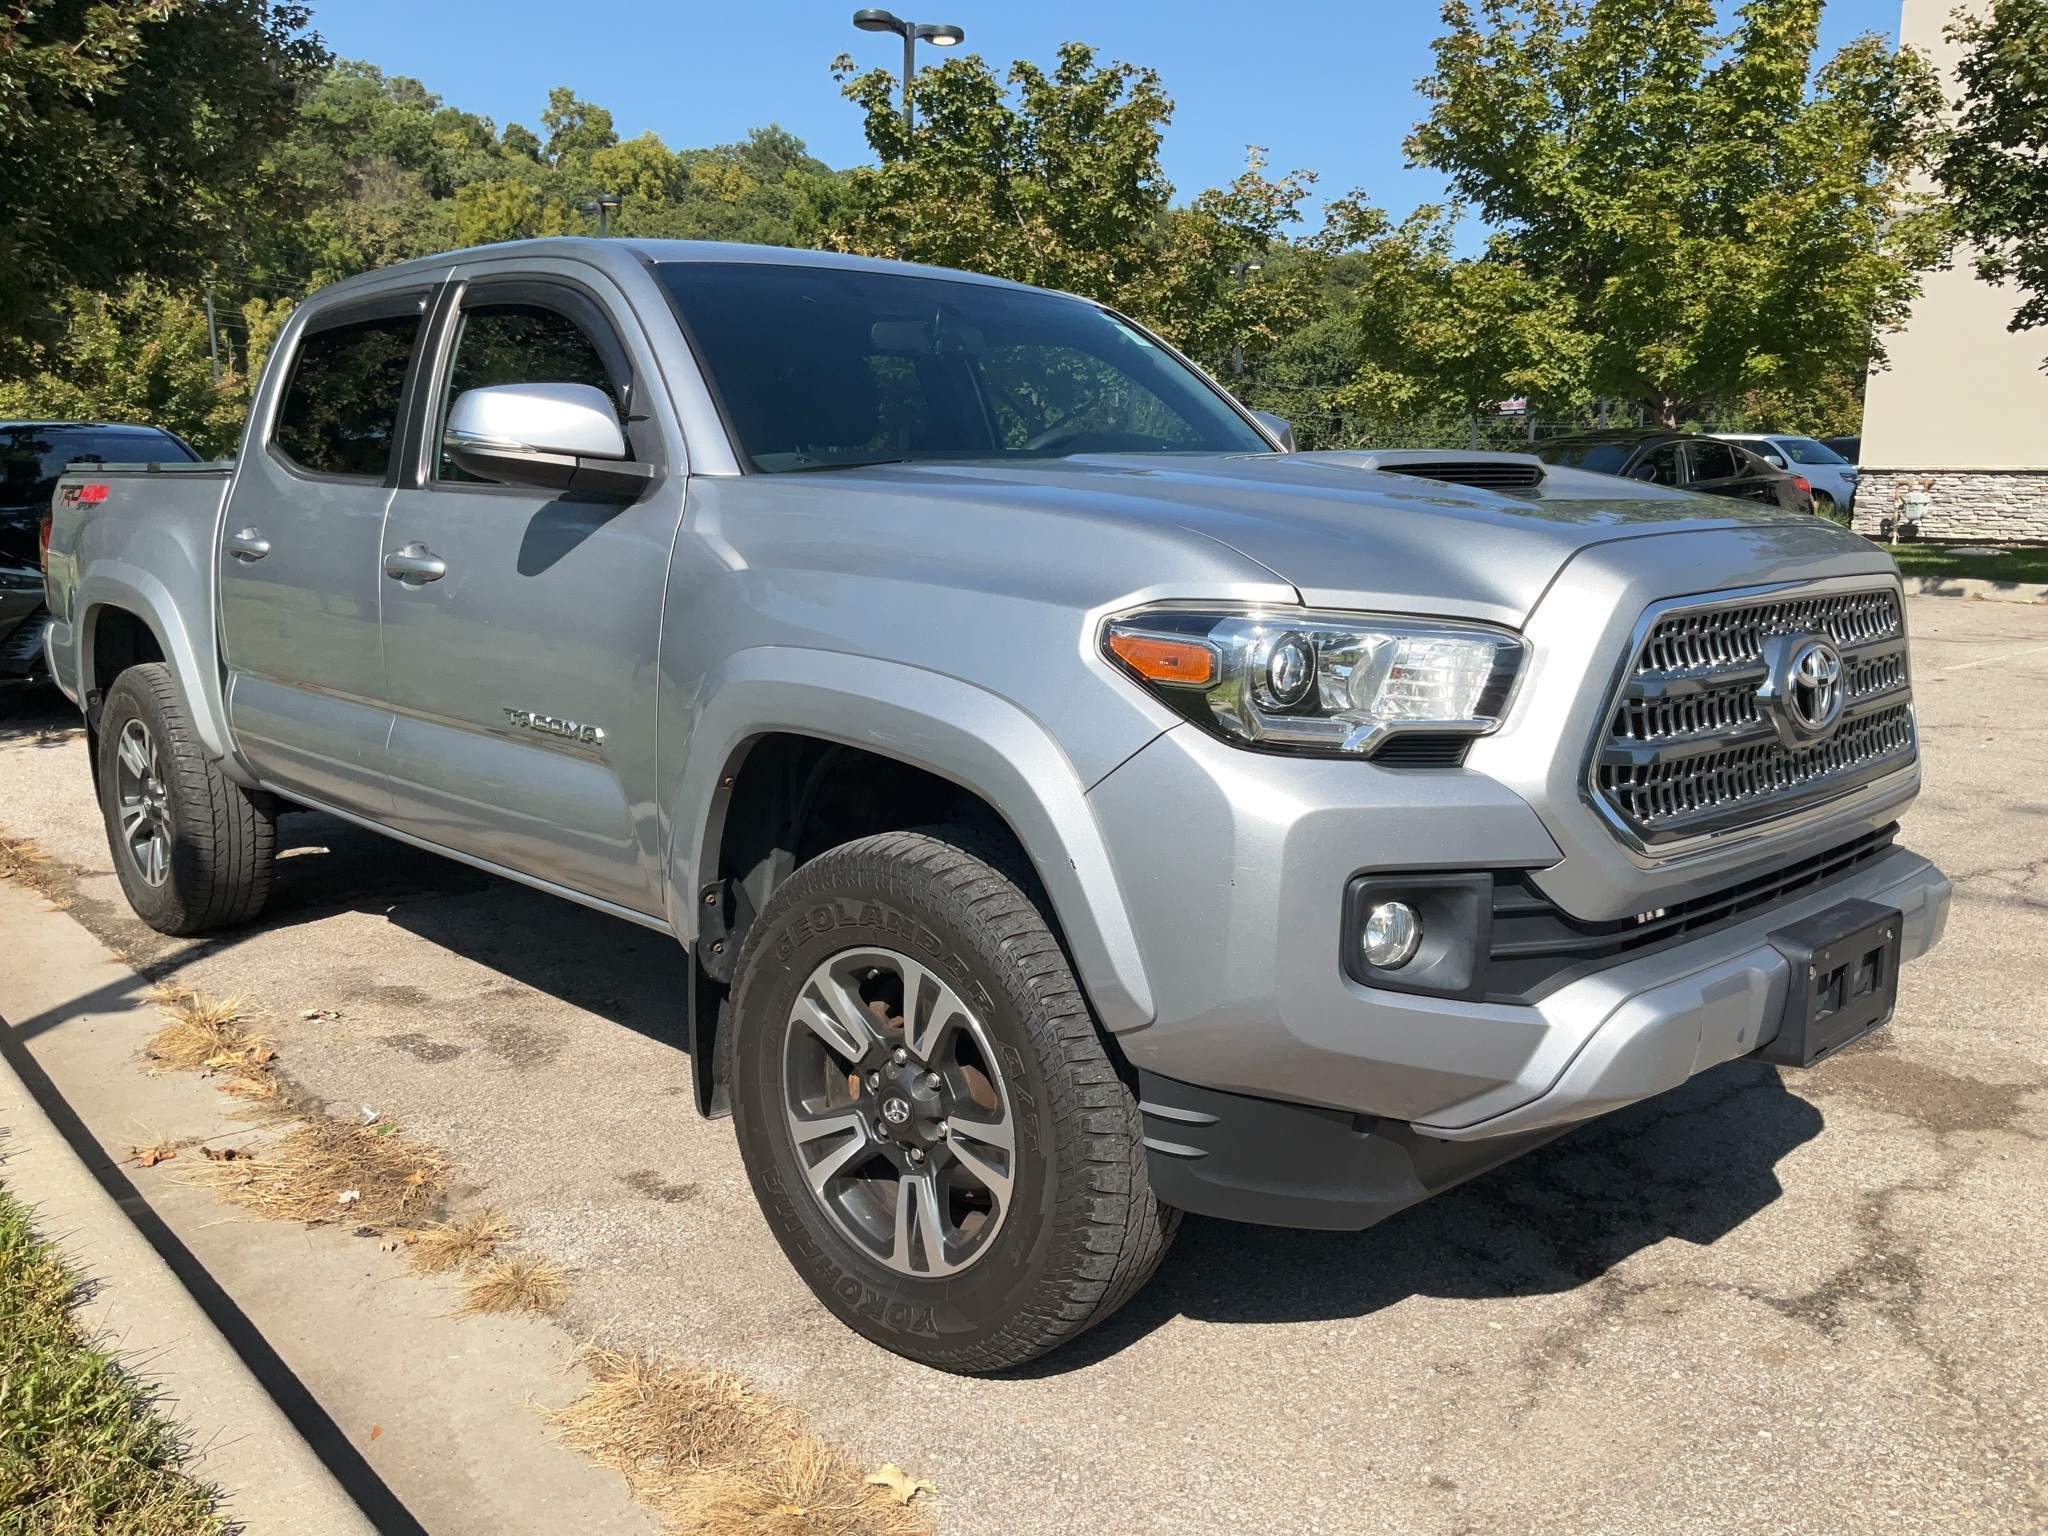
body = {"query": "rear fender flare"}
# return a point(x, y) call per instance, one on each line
point(118, 584)
point(947, 727)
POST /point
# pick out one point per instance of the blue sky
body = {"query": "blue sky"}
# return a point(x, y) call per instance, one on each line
point(1328, 86)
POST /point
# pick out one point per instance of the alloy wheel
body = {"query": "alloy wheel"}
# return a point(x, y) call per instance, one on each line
point(144, 803)
point(897, 1107)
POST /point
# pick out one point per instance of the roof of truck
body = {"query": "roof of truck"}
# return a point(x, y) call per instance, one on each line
point(637, 252)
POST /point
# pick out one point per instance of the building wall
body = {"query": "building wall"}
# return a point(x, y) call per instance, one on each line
point(1958, 420)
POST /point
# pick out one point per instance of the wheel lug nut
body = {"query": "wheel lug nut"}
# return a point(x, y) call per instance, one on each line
point(931, 1082)
point(899, 1055)
point(916, 1155)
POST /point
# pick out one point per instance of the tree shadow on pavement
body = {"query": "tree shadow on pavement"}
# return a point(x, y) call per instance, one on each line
point(1694, 1164)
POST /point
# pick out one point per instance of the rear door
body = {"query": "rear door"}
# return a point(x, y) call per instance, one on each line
point(1718, 469)
point(522, 677)
point(300, 556)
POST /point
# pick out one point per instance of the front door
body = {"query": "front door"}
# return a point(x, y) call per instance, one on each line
point(521, 629)
point(300, 559)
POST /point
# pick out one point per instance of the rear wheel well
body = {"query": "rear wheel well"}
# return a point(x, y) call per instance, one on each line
point(789, 798)
point(120, 640)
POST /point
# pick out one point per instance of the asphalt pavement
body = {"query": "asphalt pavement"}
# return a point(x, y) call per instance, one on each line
point(1768, 1301)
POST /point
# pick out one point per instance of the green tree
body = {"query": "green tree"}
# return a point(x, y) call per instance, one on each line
point(132, 134)
point(141, 355)
point(1725, 220)
point(1054, 179)
point(1995, 167)
point(1443, 336)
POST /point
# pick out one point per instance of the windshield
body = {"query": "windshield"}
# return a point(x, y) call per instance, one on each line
point(34, 456)
point(1600, 458)
point(1804, 450)
point(819, 367)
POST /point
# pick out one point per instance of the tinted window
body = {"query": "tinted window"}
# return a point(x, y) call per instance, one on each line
point(1804, 450)
point(817, 366)
point(35, 456)
point(1714, 461)
point(340, 414)
point(1659, 466)
point(519, 344)
point(1600, 458)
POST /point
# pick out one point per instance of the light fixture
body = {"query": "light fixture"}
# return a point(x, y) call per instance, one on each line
point(940, 34)
point(1393, 932)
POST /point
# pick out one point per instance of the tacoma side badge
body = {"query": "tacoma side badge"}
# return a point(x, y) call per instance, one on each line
point(551, 725)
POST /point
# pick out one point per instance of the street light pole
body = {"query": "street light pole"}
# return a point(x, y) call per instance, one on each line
point(212, 336)
point(602, 205)
point(1240, 270)
point(938, 33)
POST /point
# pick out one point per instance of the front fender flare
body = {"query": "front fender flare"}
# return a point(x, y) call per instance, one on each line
point(945, 726)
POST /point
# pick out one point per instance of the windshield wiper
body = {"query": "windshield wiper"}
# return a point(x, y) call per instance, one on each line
point(805, 469)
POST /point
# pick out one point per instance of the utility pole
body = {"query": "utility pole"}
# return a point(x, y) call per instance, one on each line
point(938, 34)
point(212, 335)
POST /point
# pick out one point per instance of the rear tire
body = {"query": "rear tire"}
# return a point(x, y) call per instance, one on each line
point(193, 851)
point(960, 1177)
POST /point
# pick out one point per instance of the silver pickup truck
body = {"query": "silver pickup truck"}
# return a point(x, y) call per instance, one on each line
point(1078, 808)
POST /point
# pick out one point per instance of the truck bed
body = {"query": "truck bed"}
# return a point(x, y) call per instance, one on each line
point(146, 534)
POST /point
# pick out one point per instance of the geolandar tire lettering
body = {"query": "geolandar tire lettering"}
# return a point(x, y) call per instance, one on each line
point(929, 1116)
point(193, 851)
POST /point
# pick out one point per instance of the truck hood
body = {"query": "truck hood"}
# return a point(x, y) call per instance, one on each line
point(1341, 534)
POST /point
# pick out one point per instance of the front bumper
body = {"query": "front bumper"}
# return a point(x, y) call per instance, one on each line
point(1234, 866)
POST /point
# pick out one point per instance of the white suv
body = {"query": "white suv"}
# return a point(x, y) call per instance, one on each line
point(1833, 477)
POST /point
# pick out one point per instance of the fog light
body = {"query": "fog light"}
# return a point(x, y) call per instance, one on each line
point(1392, 935)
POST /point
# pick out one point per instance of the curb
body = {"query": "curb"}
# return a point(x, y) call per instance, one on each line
point(1975, 587)
point(269, 1478)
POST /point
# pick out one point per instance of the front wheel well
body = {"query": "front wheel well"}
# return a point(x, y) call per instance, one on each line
point(786, 799)
point(790, 797)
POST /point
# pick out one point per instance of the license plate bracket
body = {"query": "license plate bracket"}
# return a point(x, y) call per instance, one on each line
point(1844, 980)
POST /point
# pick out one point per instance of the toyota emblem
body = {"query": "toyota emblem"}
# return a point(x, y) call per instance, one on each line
point(895, 1111)
point(1803, 693)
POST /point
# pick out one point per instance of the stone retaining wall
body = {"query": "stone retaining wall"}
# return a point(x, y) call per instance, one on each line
point(1991, 504)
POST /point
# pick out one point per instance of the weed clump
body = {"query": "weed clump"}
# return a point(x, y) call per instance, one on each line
point(514, 1284)
point(323, 1171)
point(715, 1458)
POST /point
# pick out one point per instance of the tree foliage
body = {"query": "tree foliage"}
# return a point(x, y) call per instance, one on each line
point(132, 133)
point(1725, 219)
point(1693, 218)
point(1054, 179)
point(1995, 168)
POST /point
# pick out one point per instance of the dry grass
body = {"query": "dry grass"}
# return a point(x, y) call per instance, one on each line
point(714, 1458)
point(328, 1171)
point(463, 1243)
point(201, 1034)
point(514, 1284)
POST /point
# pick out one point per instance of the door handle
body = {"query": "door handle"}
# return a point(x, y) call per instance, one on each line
point(248, 545)
point(415, 564)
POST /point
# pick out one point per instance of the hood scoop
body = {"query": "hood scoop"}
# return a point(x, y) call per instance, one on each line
point(1482, 471)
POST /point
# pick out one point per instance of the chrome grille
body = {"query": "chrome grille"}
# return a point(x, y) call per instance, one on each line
point(1688, 748)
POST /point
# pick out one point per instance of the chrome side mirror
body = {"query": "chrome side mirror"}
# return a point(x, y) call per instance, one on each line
point(555, 437)
point(1279, 426)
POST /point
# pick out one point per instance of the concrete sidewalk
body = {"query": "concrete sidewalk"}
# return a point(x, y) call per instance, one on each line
point(243, 1443)
point(329, 1390)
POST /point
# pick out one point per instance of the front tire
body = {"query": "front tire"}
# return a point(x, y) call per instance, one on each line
point(193, 851)
point(930, 1119)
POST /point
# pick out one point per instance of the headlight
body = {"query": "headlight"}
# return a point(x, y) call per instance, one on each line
point(1307, 680)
